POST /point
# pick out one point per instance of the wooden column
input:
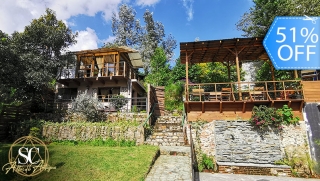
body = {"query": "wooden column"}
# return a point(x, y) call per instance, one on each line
point(296, 74)
point(187, 77)
point(236, 53)
point(273, 78)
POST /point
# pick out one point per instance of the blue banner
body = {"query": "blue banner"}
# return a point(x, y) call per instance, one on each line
point(292, 43)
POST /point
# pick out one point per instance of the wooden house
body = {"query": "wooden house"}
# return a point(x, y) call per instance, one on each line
point(104, 73)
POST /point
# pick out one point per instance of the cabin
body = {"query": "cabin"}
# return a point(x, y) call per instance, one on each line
point(110, 74)
point(235, 100)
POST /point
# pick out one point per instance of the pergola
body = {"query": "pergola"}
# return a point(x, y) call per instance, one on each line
point(225, 51)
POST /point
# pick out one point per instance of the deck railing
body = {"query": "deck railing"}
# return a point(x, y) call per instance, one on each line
point(245, 91)
point(99, 70)
point(135, 104)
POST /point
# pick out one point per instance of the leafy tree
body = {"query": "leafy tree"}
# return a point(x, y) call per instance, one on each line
point(257, 21)
point(178, 72)
point(125, 27)
point(128, 32)
point(159, 69)
point(33, 56)
point(264, 73)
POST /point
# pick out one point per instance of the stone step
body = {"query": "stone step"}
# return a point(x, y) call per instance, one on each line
point(169, 119)
point(168, 128)
point(161, 143)
point(175, 150)
point(167, 134)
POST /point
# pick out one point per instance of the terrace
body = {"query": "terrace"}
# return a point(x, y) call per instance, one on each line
point(231, 100)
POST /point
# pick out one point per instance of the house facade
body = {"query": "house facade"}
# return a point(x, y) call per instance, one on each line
point(110, 74)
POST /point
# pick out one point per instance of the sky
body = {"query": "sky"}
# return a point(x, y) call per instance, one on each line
point(186, 20)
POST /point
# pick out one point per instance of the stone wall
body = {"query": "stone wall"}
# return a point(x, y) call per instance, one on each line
point(83, 133)
point(238, 142)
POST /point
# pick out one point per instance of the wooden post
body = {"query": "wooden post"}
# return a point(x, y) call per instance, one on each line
point(187, 77)
point(273, 78)
point(238, 74)
point(295, 74)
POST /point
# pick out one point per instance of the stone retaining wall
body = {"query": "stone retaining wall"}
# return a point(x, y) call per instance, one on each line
point(237, 141)
point(83, 133)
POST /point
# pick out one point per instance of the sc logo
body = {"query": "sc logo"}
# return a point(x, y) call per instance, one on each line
point(28, 157)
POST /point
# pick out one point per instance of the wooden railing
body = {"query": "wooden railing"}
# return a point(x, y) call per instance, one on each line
point(245, 91)
point(99, 70)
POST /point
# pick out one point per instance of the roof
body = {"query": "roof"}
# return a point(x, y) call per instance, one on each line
point(219, 50)
point(133, 54)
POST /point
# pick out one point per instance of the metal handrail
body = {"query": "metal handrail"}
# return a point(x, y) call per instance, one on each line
point(194, 164)
point(154, 105)
point(184, 115)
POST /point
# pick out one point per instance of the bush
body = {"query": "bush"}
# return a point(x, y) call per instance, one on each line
point(118, 101)
point(86, 108)
point(31, 127)
point(173, 97)
point(264, 117)
point(206, 162)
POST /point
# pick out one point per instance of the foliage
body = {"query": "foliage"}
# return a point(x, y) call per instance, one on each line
point(264, 73)
point(265, 117)
point(206, 162)
point(299, 160)
point(86, 107)
point(26, 127)
point(178, 72)
point(128, 31)
point(118, 101)
point(159, 69)
point(257, 21)
point(96, 142)
point(30, 59)
point(173, 96)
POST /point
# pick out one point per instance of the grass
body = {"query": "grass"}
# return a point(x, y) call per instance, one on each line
point(89, 163)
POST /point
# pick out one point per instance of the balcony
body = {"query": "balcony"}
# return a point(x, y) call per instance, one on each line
point(106, 71)
point(233, 98)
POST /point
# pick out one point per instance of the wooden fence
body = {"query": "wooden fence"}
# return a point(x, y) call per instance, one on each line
point(12, 114)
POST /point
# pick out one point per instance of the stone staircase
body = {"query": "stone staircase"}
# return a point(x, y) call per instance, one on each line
point(168, 131)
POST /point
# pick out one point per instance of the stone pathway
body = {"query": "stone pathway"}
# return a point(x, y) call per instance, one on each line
point(174, 163)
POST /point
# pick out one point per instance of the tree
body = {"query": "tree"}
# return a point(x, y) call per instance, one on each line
point(178, 72)
point(159, 69)
point(257, 21)
point(125, 27)
point(40, 49)
point(128, 32)
point(32, 57)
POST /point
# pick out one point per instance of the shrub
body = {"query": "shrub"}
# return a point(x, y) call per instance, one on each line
point(31, 127)
point(173, 97)
point(86, 108)
point(118, 101)
point(206, 162)
point(264, 117)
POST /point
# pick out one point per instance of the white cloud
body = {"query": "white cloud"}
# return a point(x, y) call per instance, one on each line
point(86, 40)
point(110, 39)
point(188, 4)
point(146, 2)
point(15, 15)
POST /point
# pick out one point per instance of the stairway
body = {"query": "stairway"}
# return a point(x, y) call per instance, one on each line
point(168, 131)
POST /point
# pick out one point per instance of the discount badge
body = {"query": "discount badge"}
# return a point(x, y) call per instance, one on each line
point(293, 43)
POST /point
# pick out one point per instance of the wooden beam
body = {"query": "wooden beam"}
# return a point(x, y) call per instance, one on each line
point(289, 103)
point(188, 107)
point(101, 80)
point(76, 82)
point(296, 74)
point(202, 107)
point(220, 106)
point(272, 103)
point(244, 107)
point(301, 105)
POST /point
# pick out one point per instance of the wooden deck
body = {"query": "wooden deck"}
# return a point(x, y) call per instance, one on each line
point(209, 102)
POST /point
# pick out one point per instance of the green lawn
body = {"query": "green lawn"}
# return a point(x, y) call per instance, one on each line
point(90, 163)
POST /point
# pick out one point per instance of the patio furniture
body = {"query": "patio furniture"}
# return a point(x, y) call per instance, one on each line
point(258, 93)
point(225, 94)
point(308, 74)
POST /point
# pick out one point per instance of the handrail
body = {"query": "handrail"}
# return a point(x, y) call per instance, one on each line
point(194, 165)
point(183, 116)
point(154, 105)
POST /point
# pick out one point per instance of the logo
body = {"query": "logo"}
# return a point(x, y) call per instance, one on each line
point(292, 43)
point(28, 156)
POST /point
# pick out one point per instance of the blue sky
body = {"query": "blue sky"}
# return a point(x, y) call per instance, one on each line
point(186, 20)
